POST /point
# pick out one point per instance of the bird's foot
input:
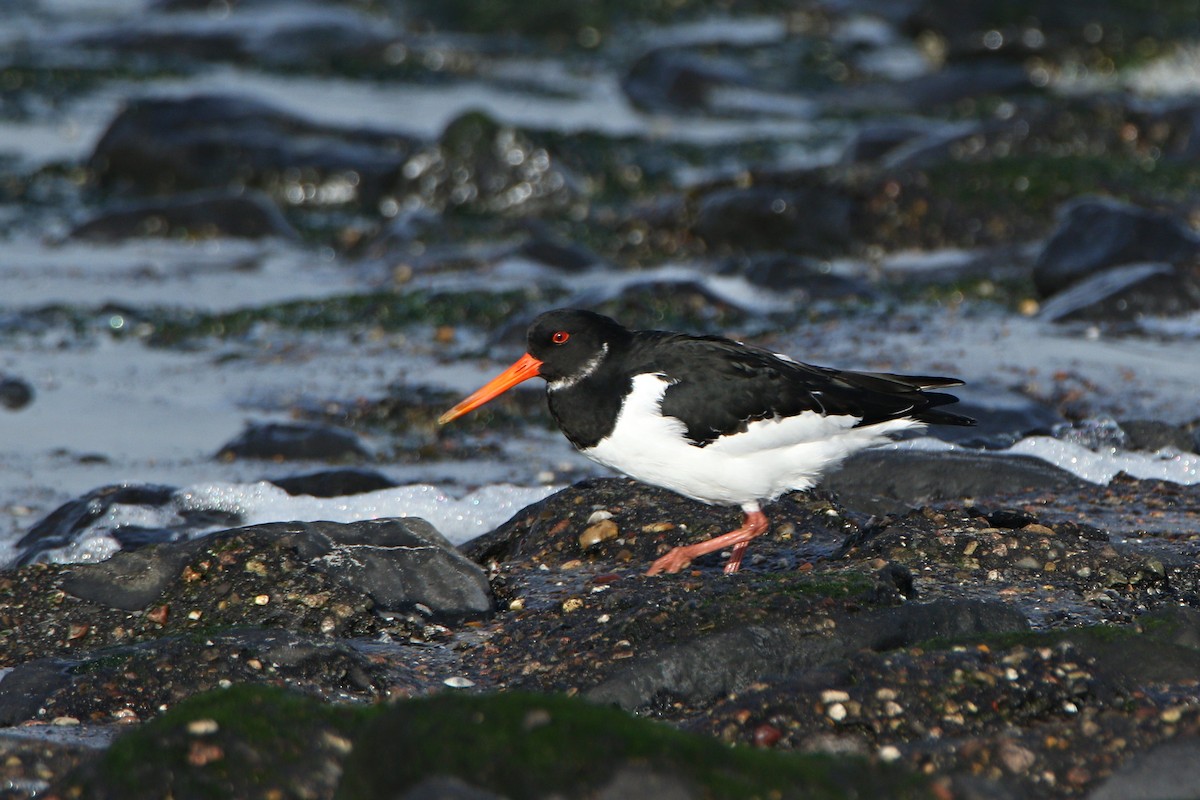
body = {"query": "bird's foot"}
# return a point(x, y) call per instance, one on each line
point(673, 561)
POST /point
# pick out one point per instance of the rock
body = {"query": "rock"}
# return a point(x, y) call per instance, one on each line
point(15, 393)
point(24, 690)
point(65, 524)
point(782, 271)
point(731, 660)
point(399, 563)
point(447, 787)
point(160, 145)
point(248, 215)
point(675, 80)
point(481, 166)
point(1153, 435)
point(295, 441)
point(1170, 771)
point(811, 220)
point(1126, 293)
point(1095, 233)
point(889, 481)
point(335, 483)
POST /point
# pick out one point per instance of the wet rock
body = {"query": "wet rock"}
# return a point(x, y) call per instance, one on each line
point(874, 142)
point(1153, 435)
point(811, 220)
point(565, 256)
point(24, 690)
point(159, 145)
point(64, 525)
point(446, 787)
point(888, 481)
point(1126, 293)
point(399, 563)
point(478, 165)
point(1170, 771)
point(729, 661)
point(813, 277)
point(1095, 233)
point(248, 215)
point(295, 441)
point(675, 80)
point(15, 393)
point(335, 483)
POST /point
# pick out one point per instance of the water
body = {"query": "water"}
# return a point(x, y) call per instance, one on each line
point(112, 409)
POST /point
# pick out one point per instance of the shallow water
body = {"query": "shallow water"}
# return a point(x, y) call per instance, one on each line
point(110, 409)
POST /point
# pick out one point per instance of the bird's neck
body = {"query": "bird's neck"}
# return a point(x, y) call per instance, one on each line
point(586, 410)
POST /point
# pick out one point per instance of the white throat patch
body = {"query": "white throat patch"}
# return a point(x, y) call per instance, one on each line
point(588, 368)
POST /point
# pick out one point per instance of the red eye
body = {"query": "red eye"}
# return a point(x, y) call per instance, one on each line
point(560, 337)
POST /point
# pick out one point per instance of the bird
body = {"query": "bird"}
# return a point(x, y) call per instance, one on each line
point(708, 417)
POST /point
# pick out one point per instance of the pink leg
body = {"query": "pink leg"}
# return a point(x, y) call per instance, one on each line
point(754, 525)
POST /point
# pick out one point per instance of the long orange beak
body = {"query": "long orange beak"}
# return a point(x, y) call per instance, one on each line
point(525, 368)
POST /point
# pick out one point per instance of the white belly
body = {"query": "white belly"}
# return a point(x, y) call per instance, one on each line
point(771, 457)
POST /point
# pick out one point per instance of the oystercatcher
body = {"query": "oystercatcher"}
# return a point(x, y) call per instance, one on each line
point(708, 417)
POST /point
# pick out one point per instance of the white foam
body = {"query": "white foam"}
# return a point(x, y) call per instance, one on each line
point(457, 518)
point(1091, 465)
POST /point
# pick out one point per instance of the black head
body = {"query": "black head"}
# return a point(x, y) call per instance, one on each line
point(571, 343)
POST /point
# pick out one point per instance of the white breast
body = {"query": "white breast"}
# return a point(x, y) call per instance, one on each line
point(769, 458)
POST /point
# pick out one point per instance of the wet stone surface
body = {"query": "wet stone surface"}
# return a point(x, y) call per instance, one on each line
point(1016, 638)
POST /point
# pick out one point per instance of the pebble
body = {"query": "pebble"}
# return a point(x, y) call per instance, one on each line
point(203, 727)
point(572, 604)
point(601, 531)
point(459, 682)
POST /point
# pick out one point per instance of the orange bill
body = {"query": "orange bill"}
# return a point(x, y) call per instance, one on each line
point(525, 368)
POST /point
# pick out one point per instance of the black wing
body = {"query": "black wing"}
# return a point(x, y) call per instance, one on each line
point(720, 386)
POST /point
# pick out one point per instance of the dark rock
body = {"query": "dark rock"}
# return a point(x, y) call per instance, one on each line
point(1152, 435)
point(960, 81)
point(400, 563)
point(560, 255)
point(295, 441)
point(131, 580)
point(143, 677)
point(447, 787)
point(807, 220)
point(479, 165)
point(781, 271)
point(890, 481)
point(15, 393)
point(729, 661)
point(160, 145)
point(24, 690)
point(1095, 233)
point(61, 526)
point(335, 483)
point(249, 215)
point(1126, 293)
point(676, 80)
point(1170, 771)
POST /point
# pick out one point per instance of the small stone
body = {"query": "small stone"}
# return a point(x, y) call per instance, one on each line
point(572, 604)
point(766, 735)
point(202, 753)
point(836, 712)
point(598, 516)
point(1015, 758)
point(78, 631)
point(1037, 529)
point(64, 722)
point(195, 614)
point(459, 682)
point(834, 696)
point(203, 727)
point(602, 531)
point(262, 599)
point(536, 718)
point(889, 753)
point(516, 605)
point(255, 567)
point(159, 614)
point(1171, 715)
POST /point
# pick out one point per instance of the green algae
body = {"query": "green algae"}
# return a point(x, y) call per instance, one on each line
point(524, 745)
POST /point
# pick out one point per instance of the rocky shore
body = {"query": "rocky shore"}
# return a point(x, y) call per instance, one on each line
point(1009, 645)
point(250, 241)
